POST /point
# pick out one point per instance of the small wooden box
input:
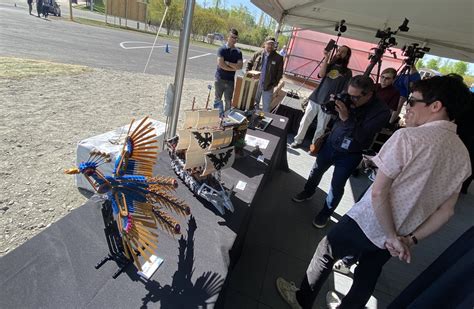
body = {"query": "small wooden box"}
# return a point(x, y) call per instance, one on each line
point(245, 90)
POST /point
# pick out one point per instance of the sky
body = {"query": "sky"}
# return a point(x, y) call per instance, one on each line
point(229, 3)
point(256, 12)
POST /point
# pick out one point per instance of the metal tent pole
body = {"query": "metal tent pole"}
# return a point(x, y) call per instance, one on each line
point(278, 27)
point(181, 65)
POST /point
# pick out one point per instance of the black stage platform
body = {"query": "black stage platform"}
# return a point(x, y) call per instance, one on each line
point(55, 269)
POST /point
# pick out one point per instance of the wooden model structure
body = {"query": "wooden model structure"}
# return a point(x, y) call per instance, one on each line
point(245, 90)
point(204, 147)
point(278, 95)
point(139, 201)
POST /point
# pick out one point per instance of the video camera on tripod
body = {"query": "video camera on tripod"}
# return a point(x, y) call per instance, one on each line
point(413, 52)
point(385, 36)
point(386, 40)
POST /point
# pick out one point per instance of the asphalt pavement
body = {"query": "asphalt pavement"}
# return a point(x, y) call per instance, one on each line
point(60, 40)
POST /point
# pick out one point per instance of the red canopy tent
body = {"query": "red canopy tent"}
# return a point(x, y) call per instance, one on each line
point(305, 51)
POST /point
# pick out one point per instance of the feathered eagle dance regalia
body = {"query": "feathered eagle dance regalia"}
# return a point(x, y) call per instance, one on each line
point(138, 199)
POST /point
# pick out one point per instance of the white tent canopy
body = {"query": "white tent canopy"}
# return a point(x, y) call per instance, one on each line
point(447, 27)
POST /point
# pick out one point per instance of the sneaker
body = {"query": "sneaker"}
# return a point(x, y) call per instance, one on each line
point(301, 197)
point(341, 267)
point(287, 291)
point(295, 145)
point(332, 300)
point(321, 220)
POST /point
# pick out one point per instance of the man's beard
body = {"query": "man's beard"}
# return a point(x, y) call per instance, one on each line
point(338, 60)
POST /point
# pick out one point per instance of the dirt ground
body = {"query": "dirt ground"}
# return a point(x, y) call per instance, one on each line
point(45, 109)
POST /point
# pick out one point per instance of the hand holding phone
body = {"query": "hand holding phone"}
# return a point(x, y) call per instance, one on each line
point(330, 45)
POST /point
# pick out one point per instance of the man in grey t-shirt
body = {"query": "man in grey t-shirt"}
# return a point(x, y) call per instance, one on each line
point(335, 76)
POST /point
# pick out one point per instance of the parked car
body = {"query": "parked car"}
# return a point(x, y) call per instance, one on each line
point(51, 7)
point(428, 73)
point(218, 36)
point(211, 37)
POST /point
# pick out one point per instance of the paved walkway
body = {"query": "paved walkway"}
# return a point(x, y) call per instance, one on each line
point(281, 242)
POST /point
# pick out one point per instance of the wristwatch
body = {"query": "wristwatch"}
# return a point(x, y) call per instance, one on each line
point(413, 237)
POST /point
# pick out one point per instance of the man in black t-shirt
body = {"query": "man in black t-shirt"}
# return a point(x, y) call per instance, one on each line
point(229, 60)
point(335, 76)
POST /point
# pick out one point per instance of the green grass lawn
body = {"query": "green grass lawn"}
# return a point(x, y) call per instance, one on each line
point(99, 7)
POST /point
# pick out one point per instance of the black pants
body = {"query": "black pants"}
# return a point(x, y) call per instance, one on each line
point(346, 238)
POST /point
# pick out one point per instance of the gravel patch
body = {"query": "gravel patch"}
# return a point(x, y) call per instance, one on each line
point(46, 108)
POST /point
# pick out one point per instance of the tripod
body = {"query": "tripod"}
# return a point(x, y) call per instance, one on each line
point(376, 58)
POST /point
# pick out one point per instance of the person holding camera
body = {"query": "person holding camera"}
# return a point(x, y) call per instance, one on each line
point(270, 63)
point(335, 76)
point(360, 115)
point(420, 172)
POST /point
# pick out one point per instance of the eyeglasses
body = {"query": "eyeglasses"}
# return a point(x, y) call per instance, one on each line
point(412, 101)
point(356, 98)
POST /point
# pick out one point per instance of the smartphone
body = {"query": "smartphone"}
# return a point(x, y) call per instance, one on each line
point(330, 45)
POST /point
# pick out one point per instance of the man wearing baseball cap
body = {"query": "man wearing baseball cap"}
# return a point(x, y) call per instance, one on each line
point(270, 63)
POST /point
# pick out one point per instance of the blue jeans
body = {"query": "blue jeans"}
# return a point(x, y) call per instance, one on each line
point(344, 164)
point(226, 88)
point(266, 97)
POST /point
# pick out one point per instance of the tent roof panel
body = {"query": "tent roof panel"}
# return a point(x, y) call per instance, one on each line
point(447, 27)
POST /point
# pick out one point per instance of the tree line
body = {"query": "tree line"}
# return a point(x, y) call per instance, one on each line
point(447, 66)
point(214, 19)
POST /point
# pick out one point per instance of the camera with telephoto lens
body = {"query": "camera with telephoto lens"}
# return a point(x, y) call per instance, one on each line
point(329, 107)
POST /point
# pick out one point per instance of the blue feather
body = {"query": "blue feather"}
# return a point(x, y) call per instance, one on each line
point(85, 165)
point(114, 202)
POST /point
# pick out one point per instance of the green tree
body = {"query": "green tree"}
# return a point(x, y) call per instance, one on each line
point(217, 5)
point(215, 18)
point(243, 13)
point(206, 21)
point(446, 67)
point(173, 18)
point(420, 64)
point(433, 64)
point(460, 68)
point(469, 80)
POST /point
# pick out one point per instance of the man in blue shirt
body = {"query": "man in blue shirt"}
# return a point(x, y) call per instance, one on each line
point(403, 83)
point(229, 60)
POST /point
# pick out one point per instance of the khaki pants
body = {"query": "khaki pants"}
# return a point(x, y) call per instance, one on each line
point(312, 111)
